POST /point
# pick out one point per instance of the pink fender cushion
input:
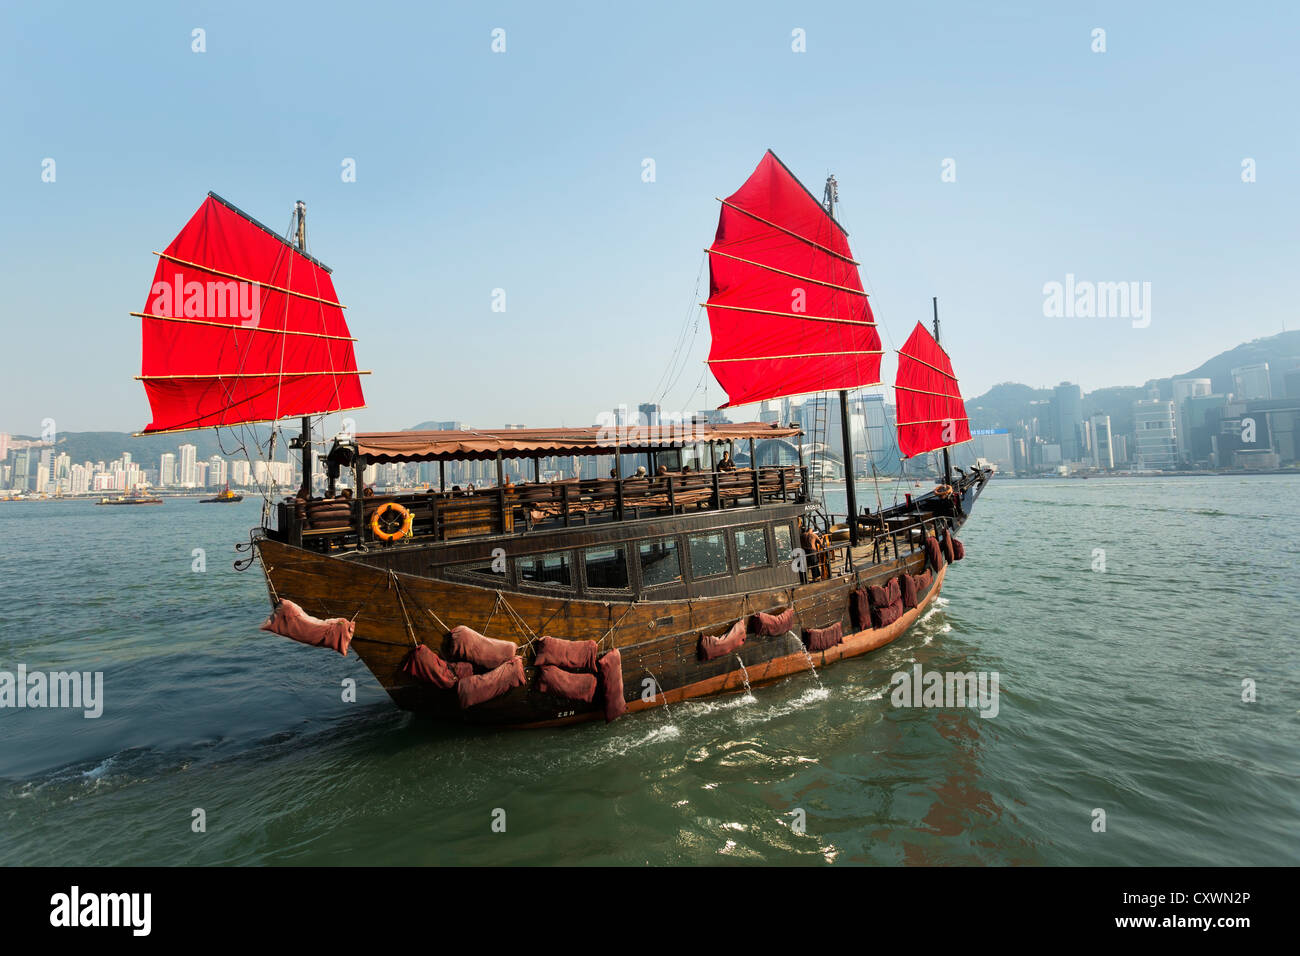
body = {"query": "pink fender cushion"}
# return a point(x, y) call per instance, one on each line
point(555, 680)
point(885, 616)
point(860, 607)
point(488, 652)
point(933, 552)
point(426, 666)
point(947, 546)
point(482, 687)
point(571, 655)
point(610, 668)
point(289, 620)
point(958, 549)
point(885, 595)
point(821, 638)
point(715, 646)
point(773, 624)
point(909, 589)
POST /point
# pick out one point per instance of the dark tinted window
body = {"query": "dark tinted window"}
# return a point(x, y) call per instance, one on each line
point(708, 554)
point(606, 567)
point(548, 569)
point(751, 548)
point(784, 542)
point(659, 562)
point(482, 568)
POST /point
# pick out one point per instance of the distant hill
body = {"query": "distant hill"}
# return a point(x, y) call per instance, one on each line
point(148, 449)
point(1009, 402)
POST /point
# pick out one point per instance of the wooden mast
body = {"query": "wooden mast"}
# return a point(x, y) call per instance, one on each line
point(829, 199)
point(947, 462)
point(304, 440)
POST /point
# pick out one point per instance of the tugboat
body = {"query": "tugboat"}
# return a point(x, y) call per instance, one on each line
point(223, 497)
point(553, 602)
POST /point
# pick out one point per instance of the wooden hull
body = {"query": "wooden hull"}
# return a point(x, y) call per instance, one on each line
point(658, 640)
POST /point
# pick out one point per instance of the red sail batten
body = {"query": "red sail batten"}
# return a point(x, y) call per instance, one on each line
point(787, 310)
point(234, 279)
point(931, 412)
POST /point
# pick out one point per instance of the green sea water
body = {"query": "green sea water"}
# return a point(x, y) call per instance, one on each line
point(1121, 690)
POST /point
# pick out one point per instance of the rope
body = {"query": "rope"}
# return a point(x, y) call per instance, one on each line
point(520, 624)
point(397, 586)
point(609, 632)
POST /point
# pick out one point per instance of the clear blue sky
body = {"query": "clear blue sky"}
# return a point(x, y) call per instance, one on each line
point(522, 171)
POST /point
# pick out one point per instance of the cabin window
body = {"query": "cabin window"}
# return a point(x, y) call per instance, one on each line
point(480, 569)
point(751, 548)
point(549, 570)
point(784, 542)
point(659, 562)
point(606, 568)
point(708, 555)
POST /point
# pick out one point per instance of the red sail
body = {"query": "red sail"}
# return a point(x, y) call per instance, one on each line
point(240, 326)
point(931, 413)
point(786, 306)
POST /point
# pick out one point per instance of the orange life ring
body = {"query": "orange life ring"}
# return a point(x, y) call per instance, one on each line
point(407, 521)
point(943, 491)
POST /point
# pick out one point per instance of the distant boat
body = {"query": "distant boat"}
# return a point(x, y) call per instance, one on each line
point(133, 497)
point(223, 497)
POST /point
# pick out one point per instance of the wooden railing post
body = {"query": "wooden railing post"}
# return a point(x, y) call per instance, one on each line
point(717, 494)
point(672, 501)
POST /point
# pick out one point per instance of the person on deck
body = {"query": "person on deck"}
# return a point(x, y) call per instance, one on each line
point(726, 464)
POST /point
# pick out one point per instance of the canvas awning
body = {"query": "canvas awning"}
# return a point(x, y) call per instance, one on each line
point(480, 444)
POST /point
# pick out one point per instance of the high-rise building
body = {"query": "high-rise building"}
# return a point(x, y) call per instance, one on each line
point(239, 473)
point(1119, 449)
point(218, 474)
point(1103, 454)
point(1185, 388)
point(649, 413)
point(166, 469)
point(24, 473)
point(188, 472)
point(1068, 402)
point(1250, 382)
point(1155, 446)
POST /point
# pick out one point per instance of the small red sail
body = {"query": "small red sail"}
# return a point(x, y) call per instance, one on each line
point(931, 413)
point(240, 326)
point(786, 306)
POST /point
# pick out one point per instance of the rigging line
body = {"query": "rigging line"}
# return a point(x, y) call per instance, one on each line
point(610, 632)
point(681, 334)
point(397, 587)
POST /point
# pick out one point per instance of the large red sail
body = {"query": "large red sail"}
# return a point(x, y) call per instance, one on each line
point(240, 326)
point(786, 305)
point(931, 413)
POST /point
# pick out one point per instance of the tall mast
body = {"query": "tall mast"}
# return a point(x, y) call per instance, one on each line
point(829, 198)
point(304, 440)
point(947, 462)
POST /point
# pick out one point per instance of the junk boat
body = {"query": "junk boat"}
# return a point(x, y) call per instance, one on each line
point(547, 603)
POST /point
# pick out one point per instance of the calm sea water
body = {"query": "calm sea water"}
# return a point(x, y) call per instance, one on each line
point(1120, 690)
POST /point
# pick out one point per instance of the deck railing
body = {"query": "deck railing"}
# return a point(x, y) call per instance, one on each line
point(327, 524)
